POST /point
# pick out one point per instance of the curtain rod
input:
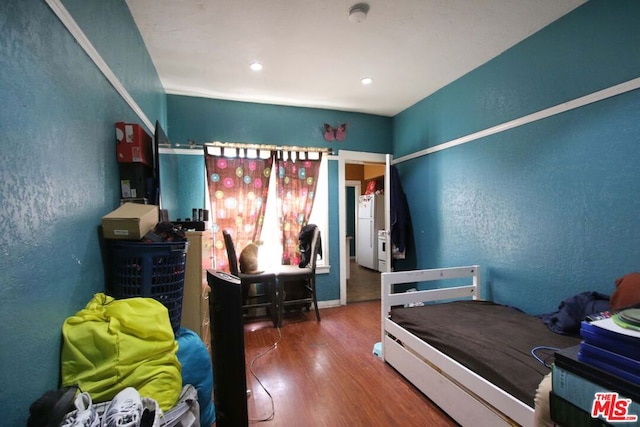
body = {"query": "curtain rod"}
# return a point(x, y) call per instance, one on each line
point(267, 147)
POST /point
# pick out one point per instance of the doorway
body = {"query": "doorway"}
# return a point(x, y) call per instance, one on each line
point(357, 283)
point(361, 281)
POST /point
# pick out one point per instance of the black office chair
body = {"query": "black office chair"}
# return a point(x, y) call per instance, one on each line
point(296, 284)
point(266, 299)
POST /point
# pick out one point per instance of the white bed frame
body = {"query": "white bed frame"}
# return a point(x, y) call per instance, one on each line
point(466, 397)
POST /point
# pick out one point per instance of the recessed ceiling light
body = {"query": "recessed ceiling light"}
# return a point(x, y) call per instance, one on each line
point(256, 66)
point(367, 81)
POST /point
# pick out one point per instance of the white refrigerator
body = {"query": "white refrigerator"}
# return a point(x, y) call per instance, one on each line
point(370, 220)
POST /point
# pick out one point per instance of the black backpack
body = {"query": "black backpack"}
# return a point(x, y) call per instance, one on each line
point(305, 239)
point(51, 407)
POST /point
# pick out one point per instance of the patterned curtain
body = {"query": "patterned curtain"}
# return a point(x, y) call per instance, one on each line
point(238, 181)
point(296, 186)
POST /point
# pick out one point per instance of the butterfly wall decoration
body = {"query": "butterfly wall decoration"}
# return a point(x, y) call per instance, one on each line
point(339, 133)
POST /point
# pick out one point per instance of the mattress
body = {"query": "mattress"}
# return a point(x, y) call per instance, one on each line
point(493, 340)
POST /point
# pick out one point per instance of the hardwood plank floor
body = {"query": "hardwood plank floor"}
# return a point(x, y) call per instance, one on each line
point(324, 373)
point(363, 284)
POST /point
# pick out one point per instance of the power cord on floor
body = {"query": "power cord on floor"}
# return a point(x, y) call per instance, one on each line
point(273, 409)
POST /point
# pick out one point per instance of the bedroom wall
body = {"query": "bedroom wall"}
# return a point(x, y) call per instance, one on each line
point(206, 120)
point(113, 33)
point(549, 209)
point(59, 176)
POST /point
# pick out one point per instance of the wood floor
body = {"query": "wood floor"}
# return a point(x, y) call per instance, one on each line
point(363, 284)
point(324, 373)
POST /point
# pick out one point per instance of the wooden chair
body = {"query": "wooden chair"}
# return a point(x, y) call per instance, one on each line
point(299, 282)
point(266, 279)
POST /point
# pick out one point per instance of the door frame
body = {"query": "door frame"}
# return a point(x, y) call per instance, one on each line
point(344, 157)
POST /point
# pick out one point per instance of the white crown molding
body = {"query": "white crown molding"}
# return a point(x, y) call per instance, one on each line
point(75, 30)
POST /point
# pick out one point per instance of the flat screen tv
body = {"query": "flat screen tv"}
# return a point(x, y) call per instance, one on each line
point(159, 139)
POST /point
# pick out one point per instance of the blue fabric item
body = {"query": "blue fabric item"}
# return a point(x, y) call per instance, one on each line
point(197, 371)
point(573, 310)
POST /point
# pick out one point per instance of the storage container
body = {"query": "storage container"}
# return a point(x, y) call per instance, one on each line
point(152, 270)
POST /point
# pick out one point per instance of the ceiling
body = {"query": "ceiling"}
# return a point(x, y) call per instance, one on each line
point(314, 56)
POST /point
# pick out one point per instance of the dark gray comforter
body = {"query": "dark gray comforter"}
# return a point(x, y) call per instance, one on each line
point(494, 341)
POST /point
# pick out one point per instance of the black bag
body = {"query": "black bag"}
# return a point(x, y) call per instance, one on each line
point(305, 239)
point(51, 407)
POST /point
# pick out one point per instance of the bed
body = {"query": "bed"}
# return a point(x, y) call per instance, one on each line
point(473, 358)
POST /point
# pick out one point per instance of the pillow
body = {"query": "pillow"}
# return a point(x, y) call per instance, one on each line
point(627, 291)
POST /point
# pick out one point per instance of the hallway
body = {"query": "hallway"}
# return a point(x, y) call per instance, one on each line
point(363, 284)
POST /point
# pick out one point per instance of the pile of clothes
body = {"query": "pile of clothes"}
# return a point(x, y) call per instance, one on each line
point(573, 310)
point(165, 232)
point(122, 362)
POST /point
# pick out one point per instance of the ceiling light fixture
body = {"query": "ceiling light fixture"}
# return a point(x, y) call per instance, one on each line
point(366, 81)
point(358, 12)
point(256, 66)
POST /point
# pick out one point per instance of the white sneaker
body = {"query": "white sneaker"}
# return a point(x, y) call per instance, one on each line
point(84, 415)
point(151, 413)
point(125, 410)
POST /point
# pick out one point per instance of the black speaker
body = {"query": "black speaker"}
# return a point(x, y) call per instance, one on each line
point(136, 181)
point(227, 350)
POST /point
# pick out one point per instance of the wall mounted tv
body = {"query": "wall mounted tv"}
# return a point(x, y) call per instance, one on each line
point(159, 139)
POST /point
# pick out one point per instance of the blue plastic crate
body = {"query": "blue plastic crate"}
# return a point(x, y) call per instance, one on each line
point(151, 270)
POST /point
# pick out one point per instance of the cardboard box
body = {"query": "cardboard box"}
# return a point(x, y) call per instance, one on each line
point(134, 144)
point(131, 221)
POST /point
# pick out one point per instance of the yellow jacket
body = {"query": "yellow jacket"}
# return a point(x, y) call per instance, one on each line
point(112, 344)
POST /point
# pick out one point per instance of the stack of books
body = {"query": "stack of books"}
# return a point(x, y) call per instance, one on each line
point(598, 382)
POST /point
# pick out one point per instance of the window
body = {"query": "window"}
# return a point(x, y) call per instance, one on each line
point(270, 253)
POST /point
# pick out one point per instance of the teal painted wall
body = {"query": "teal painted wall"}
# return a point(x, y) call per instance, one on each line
point(549, 209)
point(182, 182)
point(58, 177)
point(351, 219)
point(170, 185)
point(207, 120)
point(113, 32)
